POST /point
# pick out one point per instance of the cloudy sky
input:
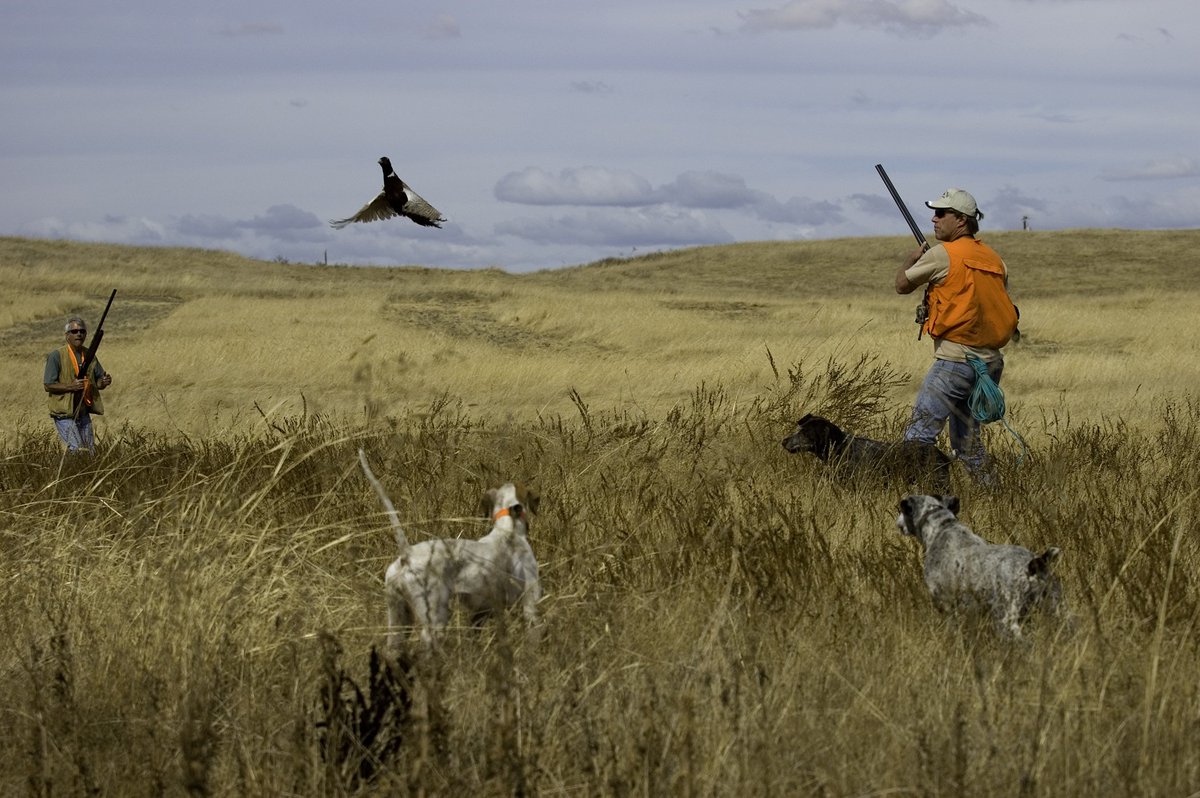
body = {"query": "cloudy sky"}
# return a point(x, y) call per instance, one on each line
point(557, 132)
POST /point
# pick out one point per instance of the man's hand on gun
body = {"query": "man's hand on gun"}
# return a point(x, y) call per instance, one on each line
point(915, 256)
point(80, 384)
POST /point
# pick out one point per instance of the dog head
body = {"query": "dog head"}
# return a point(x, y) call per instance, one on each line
point(915, 509)
point(1046, 589)
point(511, 500)
point(814, 434)
point(1040, 565)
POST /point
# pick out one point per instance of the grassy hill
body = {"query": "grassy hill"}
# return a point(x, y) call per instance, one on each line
point(197, 339)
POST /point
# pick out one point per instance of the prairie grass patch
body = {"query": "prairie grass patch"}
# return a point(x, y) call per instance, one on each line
point(719, 616)
point(198, 608)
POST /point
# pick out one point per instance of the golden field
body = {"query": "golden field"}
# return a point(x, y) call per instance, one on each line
point(194, 609)
point(197, 338)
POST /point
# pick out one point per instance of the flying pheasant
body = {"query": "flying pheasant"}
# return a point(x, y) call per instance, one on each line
point(396, 199)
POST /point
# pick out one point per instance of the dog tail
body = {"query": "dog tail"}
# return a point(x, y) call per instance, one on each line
point(1040, 565)
point(401, 540)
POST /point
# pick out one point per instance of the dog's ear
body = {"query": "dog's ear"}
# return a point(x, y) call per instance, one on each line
point(487, 502)
point(825, 434)
point(528, 497)
point(1040, 566)
point(950, 503)
point(905, 522)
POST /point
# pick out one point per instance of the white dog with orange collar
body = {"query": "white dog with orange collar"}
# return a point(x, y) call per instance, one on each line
point(485, 576)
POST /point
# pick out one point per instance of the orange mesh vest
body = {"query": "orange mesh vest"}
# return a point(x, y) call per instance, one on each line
point(62, 405)
point(971, 306)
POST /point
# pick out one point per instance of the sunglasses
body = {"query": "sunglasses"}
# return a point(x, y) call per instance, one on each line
point(76, 332)
point(940, 212)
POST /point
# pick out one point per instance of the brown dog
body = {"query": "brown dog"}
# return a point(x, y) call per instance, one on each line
point(921, 464)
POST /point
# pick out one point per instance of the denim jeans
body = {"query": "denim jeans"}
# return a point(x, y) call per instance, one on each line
point(77, 434)
point(943, 396)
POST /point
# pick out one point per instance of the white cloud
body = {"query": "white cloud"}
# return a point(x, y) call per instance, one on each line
point(208, 226)
point(695, 189)
point(120, 229)
point(620, 227)
point(923, 17)
point(796, 15)
point(800, 211)
point(585, 185)
point(1158, 169)
point(708, 189)
point(1009, 207)
point(284, 220)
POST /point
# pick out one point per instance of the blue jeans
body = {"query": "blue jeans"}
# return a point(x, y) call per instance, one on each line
point(77, 434)
point(943, 396)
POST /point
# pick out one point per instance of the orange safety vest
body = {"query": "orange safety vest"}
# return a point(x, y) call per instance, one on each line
point(62, 405)
point(971, 305)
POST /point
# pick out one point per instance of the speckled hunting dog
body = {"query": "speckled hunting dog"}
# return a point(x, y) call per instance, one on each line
point(920, 464)
point(963, 571)
point(485, 576)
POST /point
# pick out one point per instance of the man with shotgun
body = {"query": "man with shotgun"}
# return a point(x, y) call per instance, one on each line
point(968, 314)
point(73, 380)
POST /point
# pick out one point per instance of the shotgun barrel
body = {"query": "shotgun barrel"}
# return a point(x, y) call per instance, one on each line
point(912, 225)
point(90, 353)
point(89, 356)
point(923, 308)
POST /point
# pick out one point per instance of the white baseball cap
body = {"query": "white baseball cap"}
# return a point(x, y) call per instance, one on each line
point(957, 200)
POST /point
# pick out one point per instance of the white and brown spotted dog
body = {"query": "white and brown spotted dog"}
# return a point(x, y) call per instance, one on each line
point(485, 576)
point(964, 572)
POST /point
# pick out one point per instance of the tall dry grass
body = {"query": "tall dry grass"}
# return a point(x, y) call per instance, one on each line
point(194, 609)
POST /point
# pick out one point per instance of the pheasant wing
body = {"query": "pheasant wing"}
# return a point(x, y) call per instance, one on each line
point(420, 211)
point(373, 211)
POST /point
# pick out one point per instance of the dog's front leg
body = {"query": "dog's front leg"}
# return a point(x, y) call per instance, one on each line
point(529, 606)
point(1009, 623)
point(533, 626)
point(398, 617)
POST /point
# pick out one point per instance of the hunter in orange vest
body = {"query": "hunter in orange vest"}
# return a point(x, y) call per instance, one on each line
point(72, 397)
point(968, 314)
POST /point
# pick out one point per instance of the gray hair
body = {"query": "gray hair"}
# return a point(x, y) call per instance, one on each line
point(72, 320)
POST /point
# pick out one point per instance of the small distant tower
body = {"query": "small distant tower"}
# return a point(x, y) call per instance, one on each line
point(1024, 222)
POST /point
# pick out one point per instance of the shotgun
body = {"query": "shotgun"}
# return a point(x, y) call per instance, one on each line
point(89, 355)
point(912, 225)
point(923, 308)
